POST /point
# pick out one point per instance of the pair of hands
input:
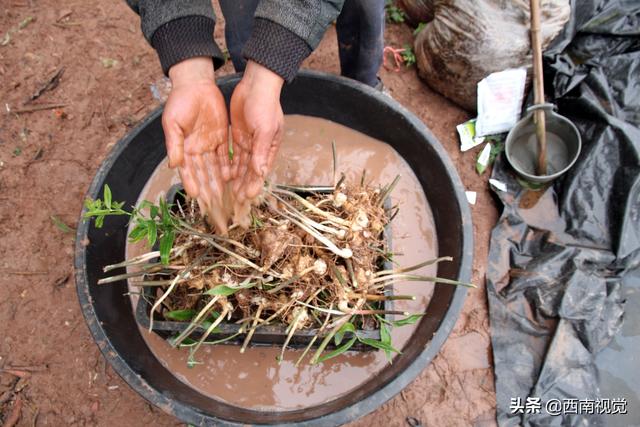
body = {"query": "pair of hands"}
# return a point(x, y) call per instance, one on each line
point(196, 127)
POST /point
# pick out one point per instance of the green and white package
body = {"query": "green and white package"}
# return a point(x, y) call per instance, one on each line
point(468, 138)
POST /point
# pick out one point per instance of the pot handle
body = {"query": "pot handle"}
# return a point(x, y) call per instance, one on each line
point(546, 106)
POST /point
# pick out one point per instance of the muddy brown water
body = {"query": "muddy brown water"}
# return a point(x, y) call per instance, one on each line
point(254, 379)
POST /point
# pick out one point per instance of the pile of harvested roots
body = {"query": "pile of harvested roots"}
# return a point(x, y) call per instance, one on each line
point(312, 259)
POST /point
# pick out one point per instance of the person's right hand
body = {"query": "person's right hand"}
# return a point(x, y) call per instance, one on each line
point(257, 123)
point(195, 124)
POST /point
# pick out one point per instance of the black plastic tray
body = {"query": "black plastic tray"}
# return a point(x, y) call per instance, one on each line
point(267, 335)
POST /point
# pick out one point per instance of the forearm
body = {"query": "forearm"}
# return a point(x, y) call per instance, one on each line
point(287, 31)
point(179, 29)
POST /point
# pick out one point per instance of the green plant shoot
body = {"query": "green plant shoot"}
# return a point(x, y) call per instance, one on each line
point(159, 226)
point(394, 13)
point(408, 57)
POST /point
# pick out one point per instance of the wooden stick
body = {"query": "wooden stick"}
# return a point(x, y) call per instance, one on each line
point(24, 273)
point(34, 108)
point(538, 86)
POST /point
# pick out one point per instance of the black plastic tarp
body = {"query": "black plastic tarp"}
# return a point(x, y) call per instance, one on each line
point(564, 262)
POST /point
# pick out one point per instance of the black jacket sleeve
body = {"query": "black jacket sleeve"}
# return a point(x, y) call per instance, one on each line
point(179, 29)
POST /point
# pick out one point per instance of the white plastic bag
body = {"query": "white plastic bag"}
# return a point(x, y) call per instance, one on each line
point(500, 101)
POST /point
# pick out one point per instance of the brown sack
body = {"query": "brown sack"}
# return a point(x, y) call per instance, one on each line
point(417, 10)
point(470, 39)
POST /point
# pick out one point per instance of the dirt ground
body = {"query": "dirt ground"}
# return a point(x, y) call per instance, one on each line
point(48, 158)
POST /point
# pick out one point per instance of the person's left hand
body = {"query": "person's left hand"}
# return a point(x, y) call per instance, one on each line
point(256, 126)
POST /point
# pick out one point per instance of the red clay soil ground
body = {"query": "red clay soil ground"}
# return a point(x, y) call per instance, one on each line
point(48, 158)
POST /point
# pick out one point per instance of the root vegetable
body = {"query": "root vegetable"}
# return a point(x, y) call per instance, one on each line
point(303, 263)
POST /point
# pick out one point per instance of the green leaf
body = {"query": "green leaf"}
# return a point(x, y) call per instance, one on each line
point(138, 233)
point(419, 28)
point(409, 320)
point(152, 233)
point(378, 344)
point(206, 324)
point(180, 315)
point(99, 221)
point(222, 290)
point(394, 13)
point(93, 205)
point(338, 351)
point(164, 211)
point(145, 204)
point(382, 319)
point(408, 57)
point(153, 211)
point(185, 342)
point(255, 222)
point(385, 337)
point(347, 327)
point(61, 225)
point(166, 243)
point(107, 196)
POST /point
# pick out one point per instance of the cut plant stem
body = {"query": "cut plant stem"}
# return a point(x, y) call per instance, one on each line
point(354, 281)
point(415, 278)
point(182, 275)
point(304, 188)
point(133, 261)
point(153, 283)
point(253, 328)
point(111, 279)
point(213, 243)
point(334, 151)
point(323, 310)
point(343, 253)
point(141, 259)
point(250, 251)
point(310, 206)
point(210, 329)
point(284, 284)
point(327, 339)
point(195, 322)
point(318, 226)
point(414, 267)
point(292, 330)
point(290, 210)
point(372, 312)
point(315, 337)
point(220, 341)
point(385, 193)
point(376, 297)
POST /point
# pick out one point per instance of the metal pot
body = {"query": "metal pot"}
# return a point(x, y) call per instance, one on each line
point(563, 145)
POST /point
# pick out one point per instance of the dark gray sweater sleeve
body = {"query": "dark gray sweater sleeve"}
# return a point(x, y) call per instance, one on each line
point(287, 31)
point(179, 29)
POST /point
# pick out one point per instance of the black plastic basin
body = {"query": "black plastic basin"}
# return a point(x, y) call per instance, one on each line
point(111, 319)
